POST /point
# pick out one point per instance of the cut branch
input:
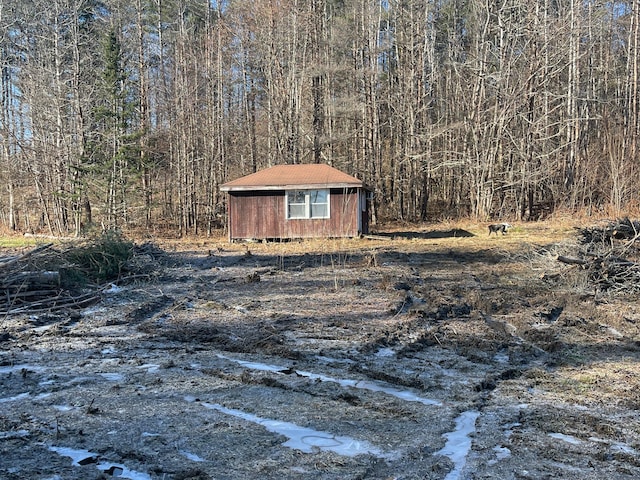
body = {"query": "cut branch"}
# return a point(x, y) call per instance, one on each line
point(572, 261)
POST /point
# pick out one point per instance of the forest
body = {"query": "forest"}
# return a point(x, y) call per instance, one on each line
point(130, 114)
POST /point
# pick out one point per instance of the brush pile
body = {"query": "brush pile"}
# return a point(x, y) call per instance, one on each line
point(610, 255)
point(52, 277)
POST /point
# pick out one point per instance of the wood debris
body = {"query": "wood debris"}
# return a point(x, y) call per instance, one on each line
point(32, 282)
point(67, 276)
point(610, 256)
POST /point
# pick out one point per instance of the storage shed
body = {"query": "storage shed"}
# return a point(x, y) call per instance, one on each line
point(297, 201)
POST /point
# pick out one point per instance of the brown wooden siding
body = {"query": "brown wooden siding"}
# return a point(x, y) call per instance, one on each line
point(261, 215)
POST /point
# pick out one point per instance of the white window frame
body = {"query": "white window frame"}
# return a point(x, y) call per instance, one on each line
point(307, 204)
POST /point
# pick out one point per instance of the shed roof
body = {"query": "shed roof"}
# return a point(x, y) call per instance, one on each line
point(283, 177)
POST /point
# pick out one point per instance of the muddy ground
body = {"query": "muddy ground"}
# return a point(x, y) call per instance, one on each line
point(440, 354)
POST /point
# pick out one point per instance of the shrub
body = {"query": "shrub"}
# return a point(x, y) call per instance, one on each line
point(99, 259)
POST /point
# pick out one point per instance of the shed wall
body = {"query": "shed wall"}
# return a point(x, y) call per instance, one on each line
point(261, 215)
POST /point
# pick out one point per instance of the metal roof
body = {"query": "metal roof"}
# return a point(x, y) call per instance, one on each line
point(283, 177)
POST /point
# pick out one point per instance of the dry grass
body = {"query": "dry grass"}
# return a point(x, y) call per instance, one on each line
point(14, 242)
point(433, 236)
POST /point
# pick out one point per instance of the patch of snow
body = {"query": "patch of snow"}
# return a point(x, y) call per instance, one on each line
point(305, 439)
point(597, 440)
point(459, 443)
point(378, 387)
point(113, 289)
point(623, 448)
point(566, 438)
point(371, 386)
point(254, 365)
point(43, 329)
point(110, 361)
point(150, 367)
point(64, 408)
point(20, 396)
point(345, 383)
point(299, 470)
point(501, 454)
point(501, 358)
point(120, 471)
point(76, 455)
point(613, 331)
point(14, 434)
point(508, 429)
point(191, 456)
point(112, 377)
point(385, 352)
point(115, 469)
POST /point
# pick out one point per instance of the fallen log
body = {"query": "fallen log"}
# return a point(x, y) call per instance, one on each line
point(572, 261)
point(31, 279)
point(52, 304)
point(30, 293)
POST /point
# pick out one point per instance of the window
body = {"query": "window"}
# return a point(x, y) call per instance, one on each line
point(319, 201)
point(308, 204)
point(297, 204)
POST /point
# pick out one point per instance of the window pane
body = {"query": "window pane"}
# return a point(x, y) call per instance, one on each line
point(319, 200)
point(296, 204)
point(296, 196)
point(319, 210)
point(318, 196)
point(297, 211)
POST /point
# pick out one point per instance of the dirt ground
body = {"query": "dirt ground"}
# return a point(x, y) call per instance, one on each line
point(440, 353)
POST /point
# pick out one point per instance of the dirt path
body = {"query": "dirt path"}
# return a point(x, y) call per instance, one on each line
point(407, 359)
